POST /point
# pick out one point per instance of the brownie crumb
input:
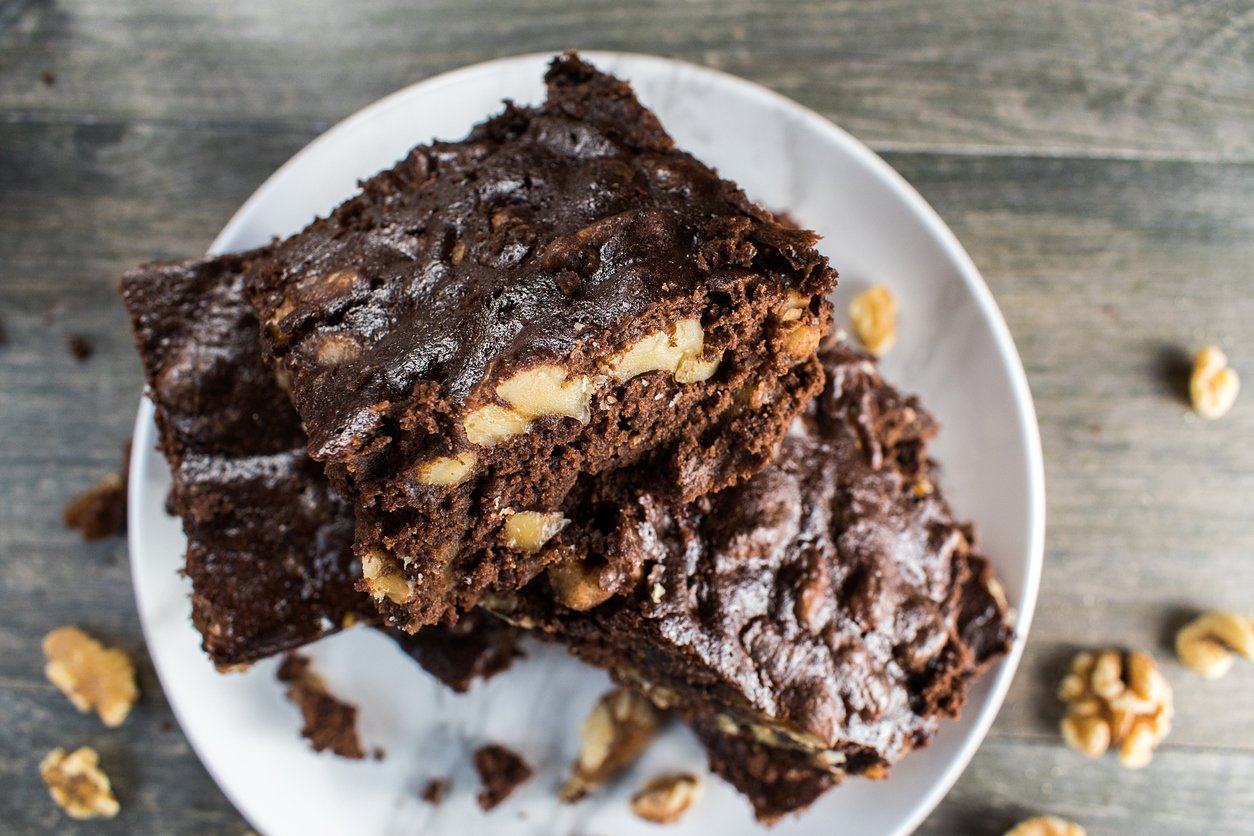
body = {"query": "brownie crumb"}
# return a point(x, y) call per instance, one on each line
point(329, 723)
point(100, 511)
point(501, 771)
point(379, 753)
point(48, 77)
point(80, 347)
point(433, 792)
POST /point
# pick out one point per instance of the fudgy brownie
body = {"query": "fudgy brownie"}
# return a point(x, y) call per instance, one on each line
point(817, 620)
point(561, 293)
point(269, 548)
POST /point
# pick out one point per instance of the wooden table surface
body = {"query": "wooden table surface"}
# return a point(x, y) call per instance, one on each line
point(1096, 159)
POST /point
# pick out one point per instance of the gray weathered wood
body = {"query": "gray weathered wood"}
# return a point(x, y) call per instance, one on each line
point(1170, 79)
point(1099, 174)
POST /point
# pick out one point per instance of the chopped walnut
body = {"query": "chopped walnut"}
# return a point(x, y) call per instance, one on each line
point(1116, 700)
point(1214, 384)
point(873, 315)
point(1207, 643)
point(614, 733)
point(78, 784)
point(577, 585)
point(665, 799)
point(1046, 826)
point(91, 675)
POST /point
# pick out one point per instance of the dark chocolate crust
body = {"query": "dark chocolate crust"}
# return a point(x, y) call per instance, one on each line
point(269, 542)
point(830, 607)
point(553, 237)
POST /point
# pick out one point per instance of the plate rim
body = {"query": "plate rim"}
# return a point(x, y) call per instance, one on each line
point(144, 430)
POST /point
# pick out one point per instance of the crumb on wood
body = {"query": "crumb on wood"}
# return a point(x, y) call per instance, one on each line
point(100, 511)
point(501, 771)
point(80, 347)
point(329, 722)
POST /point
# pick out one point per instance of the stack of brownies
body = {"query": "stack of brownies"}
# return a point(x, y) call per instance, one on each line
point(561, 377)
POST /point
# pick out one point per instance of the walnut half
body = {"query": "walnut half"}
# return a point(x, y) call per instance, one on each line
point(873, 315)
point(78, 784)
point(665, 799)
point(1207, 643)
point(614, 733)
point(1214, 384)
point(91, 675)
point(1119, 700)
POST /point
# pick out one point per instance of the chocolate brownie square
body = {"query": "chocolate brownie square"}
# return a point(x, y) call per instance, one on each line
point(269, 544)
point(560, 294)
point(269, 550)
point(815, 621)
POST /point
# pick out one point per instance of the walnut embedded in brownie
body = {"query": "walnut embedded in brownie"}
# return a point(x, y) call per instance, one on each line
point(269, 542)
point(563, 292)
point(830, 606)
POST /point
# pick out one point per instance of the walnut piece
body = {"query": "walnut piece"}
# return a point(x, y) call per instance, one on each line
point(678, 351)
point(91, 675)
point(1046, 826)
point(577, 585)
point(337, 349)
point(384, 579)
point(802, 339)
point(665, 799)
point(528, 531)
point(1119, 700)
point(78, 784)
point(873, 315)
point(795, 305)
point(613, 735)
point(447, 470)
point(1214, 384)
point(493, 423)
point(1207, 644)
point(548, 390)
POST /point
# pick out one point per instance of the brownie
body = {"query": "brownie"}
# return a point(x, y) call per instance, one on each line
point(562, 293)
point(269, 541)
point(816, 621)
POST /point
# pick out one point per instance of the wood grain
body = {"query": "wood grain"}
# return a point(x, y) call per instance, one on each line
point(1094, 159)
point(1168, 79)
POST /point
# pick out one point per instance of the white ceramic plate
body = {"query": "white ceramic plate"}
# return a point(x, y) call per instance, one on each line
point(953, 349)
